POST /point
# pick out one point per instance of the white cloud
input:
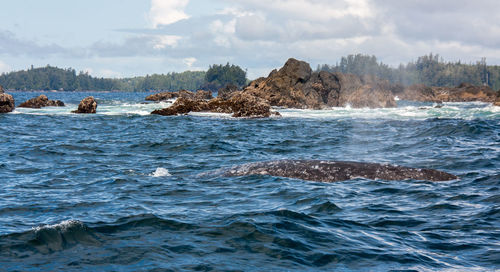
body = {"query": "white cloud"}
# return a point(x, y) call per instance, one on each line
point(165, 12)
point(4, 68)
point(190, 61)
point(162, 41)
point(108, 73)
point(223, 31)
point(313, 10)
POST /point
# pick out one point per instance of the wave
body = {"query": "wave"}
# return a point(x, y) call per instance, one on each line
point(110, 108)
point(405, 111)
point(421, 111)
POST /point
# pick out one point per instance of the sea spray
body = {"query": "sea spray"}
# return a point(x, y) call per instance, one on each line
point(160, 172)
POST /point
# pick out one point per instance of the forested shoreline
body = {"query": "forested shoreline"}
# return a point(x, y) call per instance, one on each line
point(53, 78)
point(430, 70)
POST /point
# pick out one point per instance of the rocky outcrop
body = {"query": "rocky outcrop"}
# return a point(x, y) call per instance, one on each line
point(418, 92)
point(463, 93)
point(40, 102)
point(497, 101)
point(200, 94)
point(7, 103)
point(227, 91)
point(1, 89)
point(296, 86)
point(240, 105)
point(87, 105)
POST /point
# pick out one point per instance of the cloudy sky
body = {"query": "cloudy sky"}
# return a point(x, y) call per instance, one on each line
point(118, 38)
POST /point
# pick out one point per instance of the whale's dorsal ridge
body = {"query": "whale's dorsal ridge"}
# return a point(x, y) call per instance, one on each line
point(331, 171)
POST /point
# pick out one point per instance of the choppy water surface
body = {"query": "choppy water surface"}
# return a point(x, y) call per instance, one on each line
point(121, 190)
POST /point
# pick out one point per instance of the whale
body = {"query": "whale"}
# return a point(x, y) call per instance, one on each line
point(333, 171)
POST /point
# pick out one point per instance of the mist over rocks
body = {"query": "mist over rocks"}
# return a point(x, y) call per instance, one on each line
point(463, 93)
point(40, 102)
point(87, 105)
point(296, 86)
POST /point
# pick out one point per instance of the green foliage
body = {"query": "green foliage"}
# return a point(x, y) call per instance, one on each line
point(429, 70)
point(219, 76)
point(53, 78)
point(188, 80)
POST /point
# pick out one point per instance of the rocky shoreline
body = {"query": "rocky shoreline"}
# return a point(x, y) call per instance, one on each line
point(294, 85)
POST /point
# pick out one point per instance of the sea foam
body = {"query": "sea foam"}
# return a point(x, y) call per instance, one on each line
point(160, 172)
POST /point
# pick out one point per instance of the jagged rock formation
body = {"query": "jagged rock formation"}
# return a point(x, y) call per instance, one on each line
point(227, 91)
point(7, 103)
point(240, 105)
point(462, 93)
point(200, 94)
point(296, 86)
point(40, 102)
point(497, 101)
point(87, 105)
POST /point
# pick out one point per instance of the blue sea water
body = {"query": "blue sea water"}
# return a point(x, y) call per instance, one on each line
point(121, 190)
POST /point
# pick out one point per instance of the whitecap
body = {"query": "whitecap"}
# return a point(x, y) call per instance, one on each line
point(160, 172)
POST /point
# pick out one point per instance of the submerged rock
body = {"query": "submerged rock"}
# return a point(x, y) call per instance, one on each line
point(331, 171)
point(7, 103)
point(87, 105)
point(240, 105)
point(40, 102)
point(199, 95)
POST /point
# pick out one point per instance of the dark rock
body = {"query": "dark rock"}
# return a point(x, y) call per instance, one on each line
point(40, 102)
point(203, 95)
point(331, 171)
point(227, 91)
point(162, 96)
point(295, 86)
point(6, 103)
point(497, 100)
point(365, 92)
point(87, 105)
point(240, 105)
point(463, 93)
point(418, 92)
point(200, 94)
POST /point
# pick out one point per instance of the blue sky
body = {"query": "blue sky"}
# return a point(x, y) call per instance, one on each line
point(118, 38)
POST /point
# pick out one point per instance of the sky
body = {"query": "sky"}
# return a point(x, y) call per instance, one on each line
point(123, 38)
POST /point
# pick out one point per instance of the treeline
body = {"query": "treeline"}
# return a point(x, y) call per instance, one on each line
point(430, 70)
point(53, 78)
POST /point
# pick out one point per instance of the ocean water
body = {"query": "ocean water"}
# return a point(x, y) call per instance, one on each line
point(123, 190)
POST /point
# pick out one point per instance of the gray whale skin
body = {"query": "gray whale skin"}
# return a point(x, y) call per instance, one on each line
point(331, 171)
